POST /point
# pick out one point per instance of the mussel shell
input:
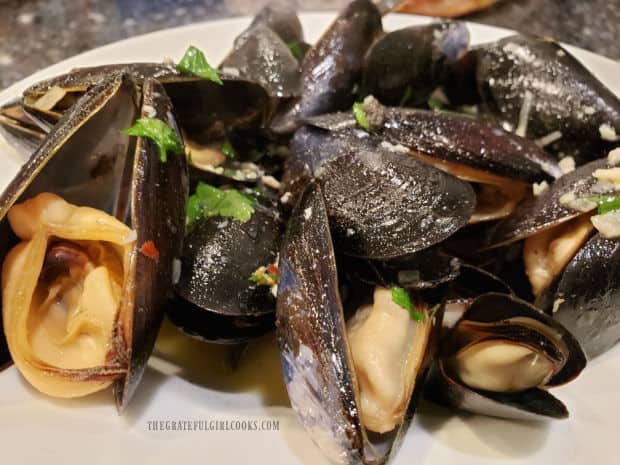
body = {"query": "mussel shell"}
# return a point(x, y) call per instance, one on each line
point(198, 103)
point(218, 302)
point(79, 80)
point(537, 214)
point(565, 95)
point(590, 293)
point(260, 55)
point(281, 17)
point(414, 58)
point(493, 307)
point(455, 138)
point(162, 187)
point(105, 110)
point(312, 335)
point(426, 269)
point(332, 67)
point(381, 204)
point(316, 358)
point(530, 404)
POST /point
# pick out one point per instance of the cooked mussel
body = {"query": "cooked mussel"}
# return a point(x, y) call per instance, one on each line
point(217, 299)
point(355, 410)
point(333, 66)
point(501, 357)
point(405, 66)
point(554, 224)
point(497, 163)
point(540, 89)
point(83, 293)
point(200, 105)
point(381, 203)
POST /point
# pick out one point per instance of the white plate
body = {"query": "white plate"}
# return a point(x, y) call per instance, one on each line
point(190, 381)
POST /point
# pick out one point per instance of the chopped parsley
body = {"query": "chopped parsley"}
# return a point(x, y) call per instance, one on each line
point(194, 62)
point(159, 132)
point(401, 298)
point(606, 203)
point(360, 116)
point(265, 276)
point(210, 201)
point(295, 48)
point(228, 150)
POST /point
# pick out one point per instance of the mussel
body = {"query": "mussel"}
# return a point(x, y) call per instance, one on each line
point(405, 66)
point(353, 390)
point(217, 299)
point(83, 294)
point(381, 203)
point(540, 89)
point(333, 65)
point(501, 357)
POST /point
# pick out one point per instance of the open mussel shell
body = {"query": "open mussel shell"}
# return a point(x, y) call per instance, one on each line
point(123, 177)
point(333, 66)
point(200, 104)
point(456, 139)
point(404, 66)
point(317, 356)
point(381, 204)
point(501, 357)
point(217, 301)
point(470, 283)
point(545, 211)
point(563, 95)
point(162, 187)
point(587, 296)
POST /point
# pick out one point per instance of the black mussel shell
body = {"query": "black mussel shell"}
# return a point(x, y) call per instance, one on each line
point(455, 138)
point(333, 66)
point(316, 359)
point(217, 301)
point(587, 298)
point(281, 17)
point(259, 55)
point(545, 211)
point(565, 96)
point(425, 269)
point(493, 310)
point(162, 187)
point(381, 204)
point(405, 66)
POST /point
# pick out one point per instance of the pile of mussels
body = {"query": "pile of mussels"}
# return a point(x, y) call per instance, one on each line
point(413, 216)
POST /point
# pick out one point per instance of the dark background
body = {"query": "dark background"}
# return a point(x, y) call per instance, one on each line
point(38, 33)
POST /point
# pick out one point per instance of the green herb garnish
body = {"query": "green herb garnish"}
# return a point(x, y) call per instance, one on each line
point(159, 132)
point(210, 201)
point(401, 298)
point(406, 96)
point(295, 48)
point(360, 116)
point(606, 203)
point(194, 62)
point(228, 150)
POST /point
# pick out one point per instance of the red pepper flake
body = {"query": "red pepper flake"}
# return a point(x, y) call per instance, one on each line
point(148, 249)
point(272, 270)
